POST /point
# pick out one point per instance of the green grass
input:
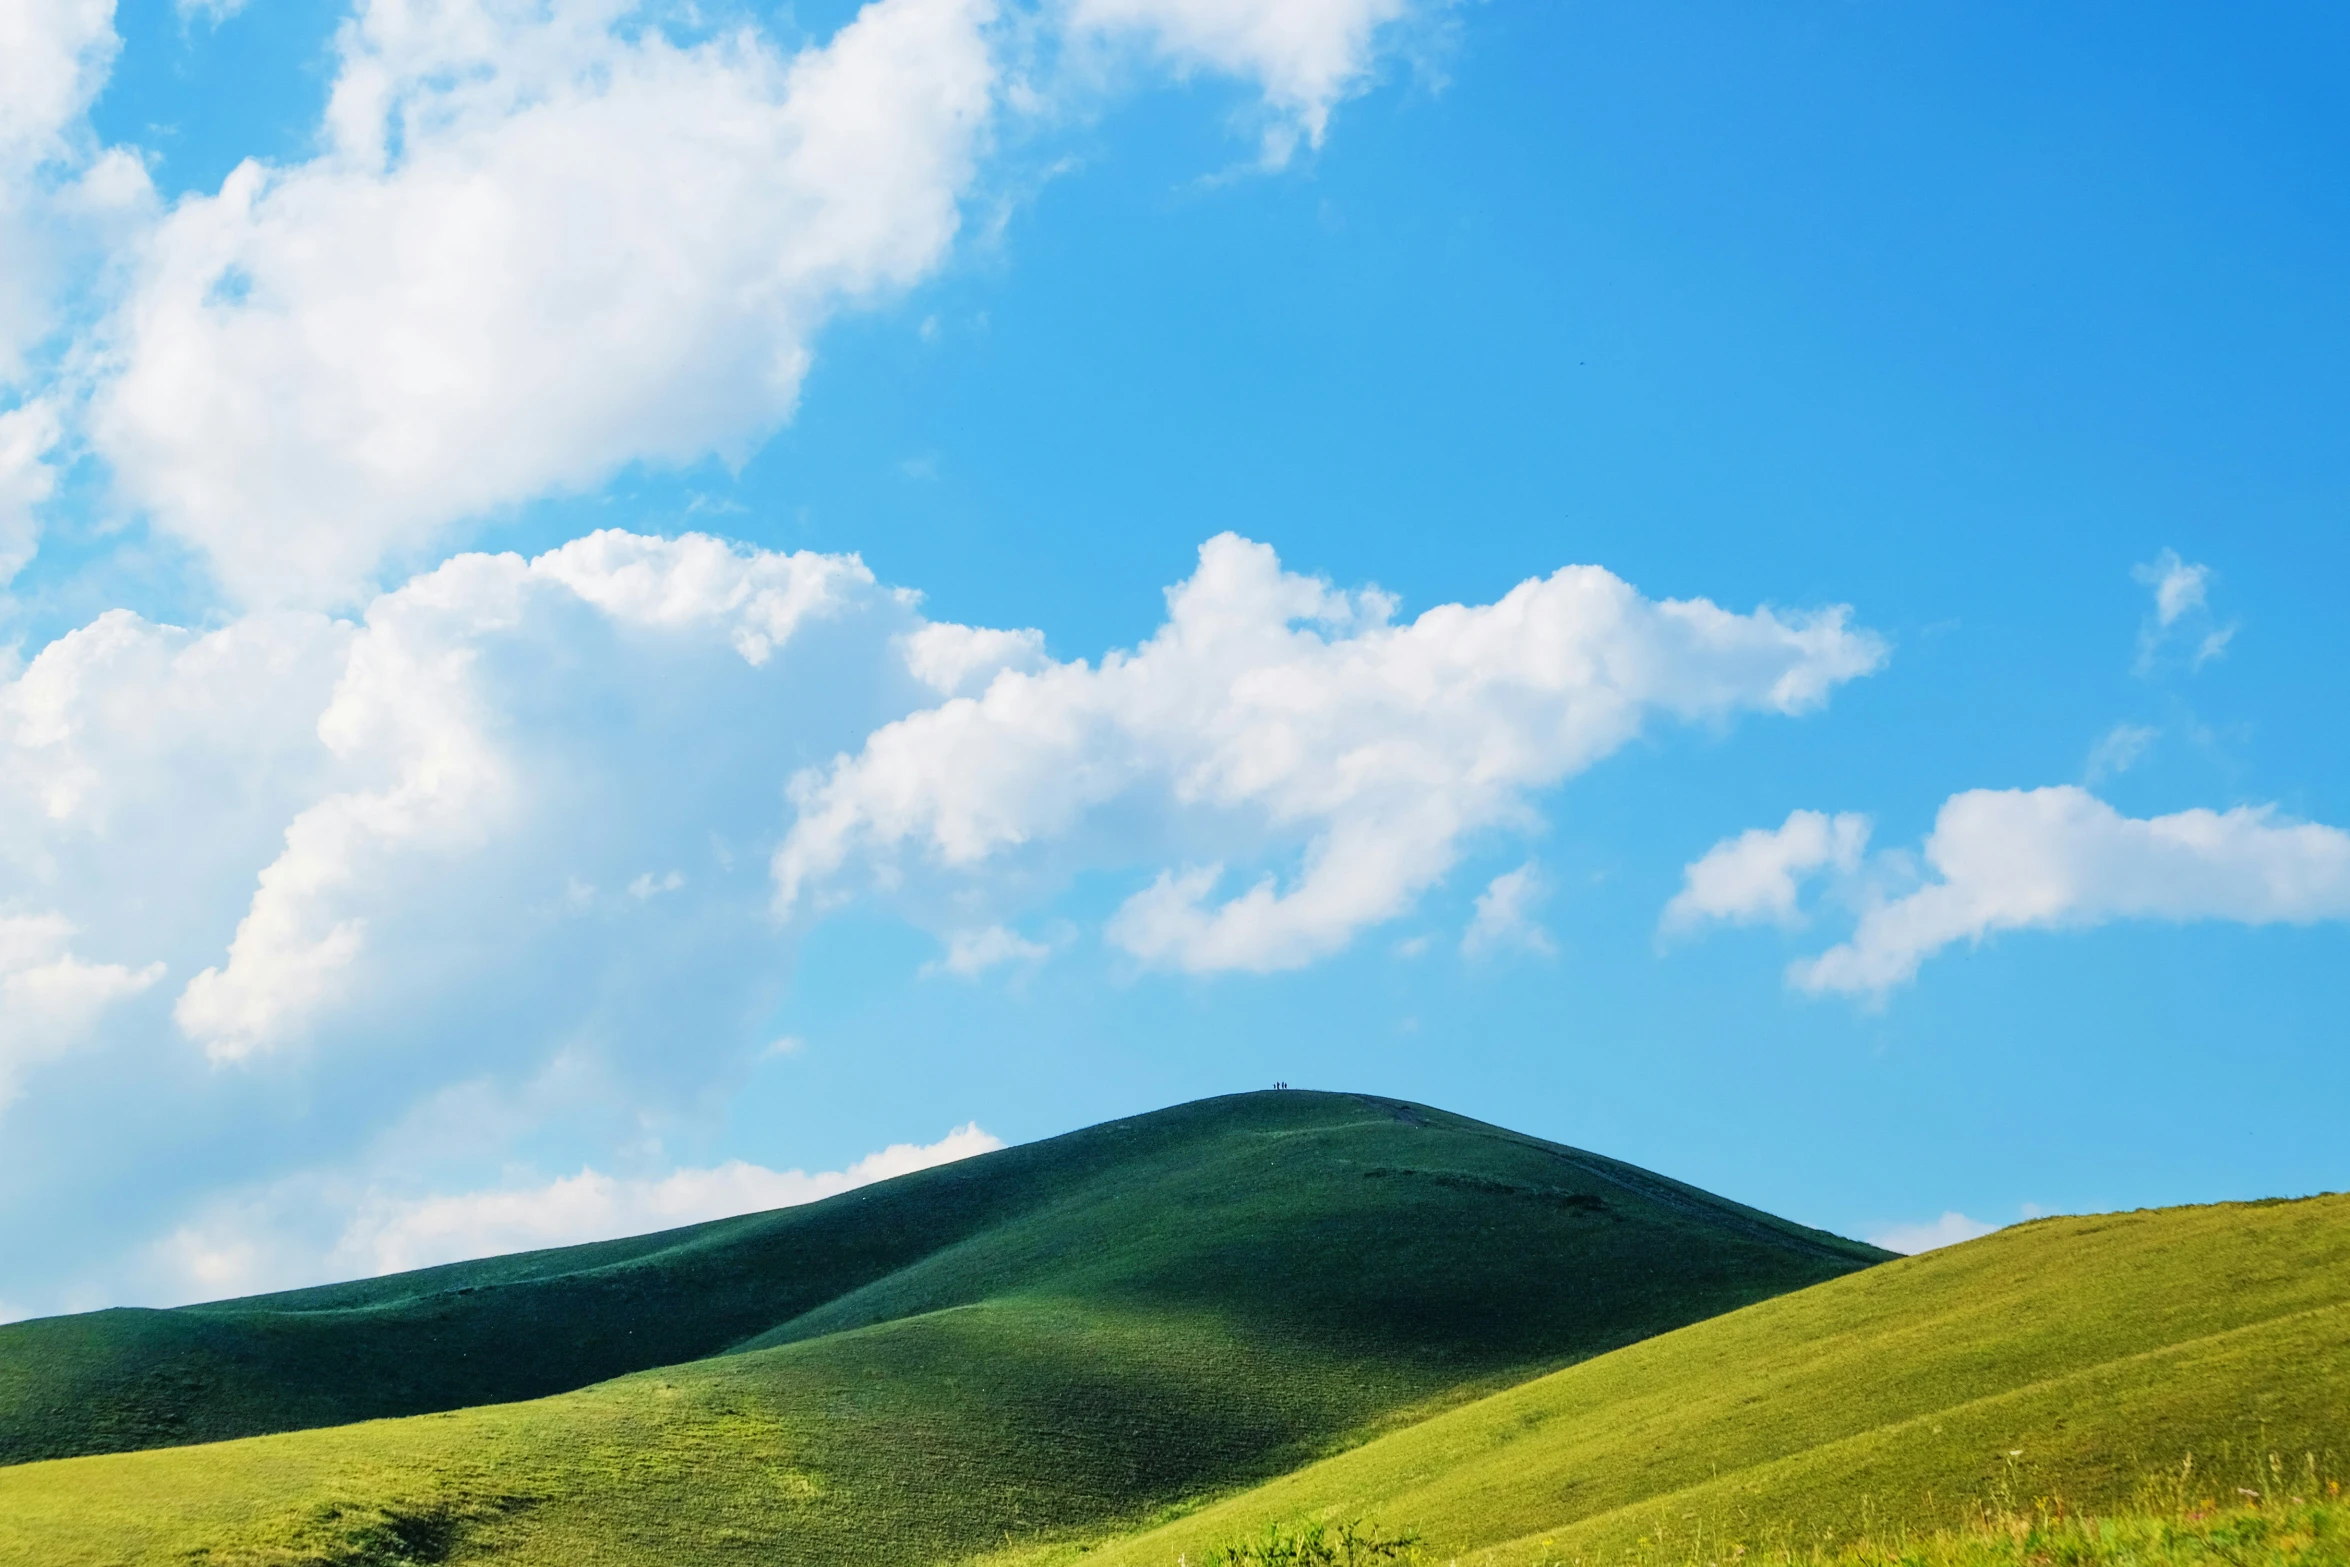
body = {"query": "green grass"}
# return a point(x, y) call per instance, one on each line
point(2276, 1514)
point(2067, 1356)
point(1045, 1344)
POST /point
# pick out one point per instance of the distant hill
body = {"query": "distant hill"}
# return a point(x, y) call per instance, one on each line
point(1042, 1342)
point(2063, 1358)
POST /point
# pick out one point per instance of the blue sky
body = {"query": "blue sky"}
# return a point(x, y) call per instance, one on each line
point(621, 613)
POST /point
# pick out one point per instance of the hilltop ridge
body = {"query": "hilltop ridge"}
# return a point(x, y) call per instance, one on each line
point(1442, 1248)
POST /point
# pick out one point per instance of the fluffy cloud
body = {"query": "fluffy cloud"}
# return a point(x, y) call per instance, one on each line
point(1274, 713)
point(1306, 55)
point(2015, 859)
point(54, 56)
point(510, 828)
point(63, 200)
point(503, 756)
point(539, 244)
point(1504, 917)
point(27, 435)
point(259, 1243)
point(1758, 874)
point(49, 999)
point(1933, 1234)
point(2045, 859)
point(420, 731)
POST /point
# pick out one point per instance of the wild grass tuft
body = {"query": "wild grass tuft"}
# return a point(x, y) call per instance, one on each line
point(2269, 1512)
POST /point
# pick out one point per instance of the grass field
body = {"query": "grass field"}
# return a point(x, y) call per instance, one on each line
point(2064, 1357)
point(1368, 1225)
point(2290, 1515)
point(1044, 1344)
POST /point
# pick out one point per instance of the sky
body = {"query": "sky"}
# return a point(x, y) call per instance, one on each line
point(613, 613)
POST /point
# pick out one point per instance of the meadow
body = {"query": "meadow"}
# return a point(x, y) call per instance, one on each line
point(1051, 1342)
point(2065, 1357)
point(1236, 1324)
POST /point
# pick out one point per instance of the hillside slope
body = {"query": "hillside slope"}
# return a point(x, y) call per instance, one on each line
point(2063, 1357)
point(1052, 1337)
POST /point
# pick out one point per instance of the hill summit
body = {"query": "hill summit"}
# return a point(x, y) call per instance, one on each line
point(1424, 1250)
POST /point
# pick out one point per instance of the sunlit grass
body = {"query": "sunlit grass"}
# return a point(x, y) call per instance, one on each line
point(2291, 1514)
point(1044, 1346)
point(2075, 1351)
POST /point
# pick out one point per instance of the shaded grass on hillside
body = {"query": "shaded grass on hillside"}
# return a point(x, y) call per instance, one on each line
point(1361, 1227)
point(1294, 1272)
point(2090, 1347)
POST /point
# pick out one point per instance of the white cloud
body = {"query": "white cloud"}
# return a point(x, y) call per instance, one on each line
point(2178, 587)
point(1949, 1230)
point(1757, 875)
point(2117, 751)
point(971, 953)
point(61, 194)
point(392, 1236)
point(1306, 55)
point(50, 999)
point(509, 830)
point(261, 1242)
point(2059, 858)
point(415, 727)
point(54, 54)
point(1504, 918)
point(2182, 607)
point(27, 434)
point(1275, 714)
point(539, 244)
point(952, 659)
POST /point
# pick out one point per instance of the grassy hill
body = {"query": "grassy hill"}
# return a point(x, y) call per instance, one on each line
point(1042, 1343)
point(2068, 1357)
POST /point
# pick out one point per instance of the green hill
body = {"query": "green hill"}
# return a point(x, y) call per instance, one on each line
point(1044, 1342)
point(2067, 1357)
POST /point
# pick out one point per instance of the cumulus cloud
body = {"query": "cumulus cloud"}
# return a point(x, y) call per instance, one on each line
point(59, 190)
point(49, 998)
point(419, 730)
point(509, 829)
point(1758, 875)
point(952, 659)
point(540, 243)
point(521, 831)
point(1504, 917)
point(1949, 1230)
point(27, 435)
point(63, 200)
point(263, 1241)
point(1306, 55)
point(2060, 858)
point(1275, 713)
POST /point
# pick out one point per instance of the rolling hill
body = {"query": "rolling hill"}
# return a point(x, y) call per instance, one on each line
point(2066, 1357)
point(1048, 1342)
